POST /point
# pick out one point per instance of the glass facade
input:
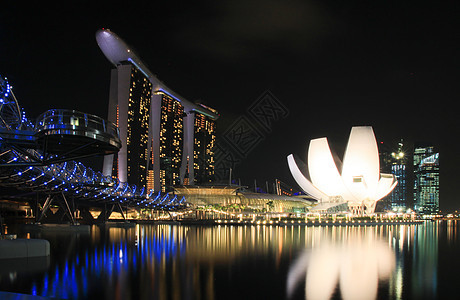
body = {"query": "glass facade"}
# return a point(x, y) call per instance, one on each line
point(394, 160)
point(426, 180)
point(398, 198)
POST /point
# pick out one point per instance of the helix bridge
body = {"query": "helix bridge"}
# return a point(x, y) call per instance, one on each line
point(41, 158)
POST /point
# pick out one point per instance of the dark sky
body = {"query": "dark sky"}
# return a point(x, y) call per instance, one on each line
point(332, 64)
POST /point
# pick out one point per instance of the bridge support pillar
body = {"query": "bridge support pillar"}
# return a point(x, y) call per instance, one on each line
point(64, 210)
point(67, 209)
point(45, 208)
point(86, 215)
point(121, 211)
point(108, 210)
point(105, 213)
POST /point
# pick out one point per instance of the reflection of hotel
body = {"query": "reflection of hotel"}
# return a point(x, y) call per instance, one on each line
point(166, 139)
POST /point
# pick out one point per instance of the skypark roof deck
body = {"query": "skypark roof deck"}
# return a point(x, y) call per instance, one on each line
point(117, 52)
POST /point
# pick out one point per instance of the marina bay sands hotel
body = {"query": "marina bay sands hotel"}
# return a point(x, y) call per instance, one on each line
point(166, 139)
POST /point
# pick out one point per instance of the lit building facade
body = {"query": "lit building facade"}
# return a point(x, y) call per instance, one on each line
point(394, 161)
point(249, 202)
point(171, 140)
point(356, 182)
point(129, 108)
point(203, 152)
point(426, 179)
point(398, 198)
point(166, 139)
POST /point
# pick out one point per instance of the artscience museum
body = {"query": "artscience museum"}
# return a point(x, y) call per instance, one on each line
point(354, 183)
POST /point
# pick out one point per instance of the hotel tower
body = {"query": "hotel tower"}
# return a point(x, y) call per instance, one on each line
point(166, 140)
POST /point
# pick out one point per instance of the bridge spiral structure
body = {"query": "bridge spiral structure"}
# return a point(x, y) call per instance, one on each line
point(42, 157)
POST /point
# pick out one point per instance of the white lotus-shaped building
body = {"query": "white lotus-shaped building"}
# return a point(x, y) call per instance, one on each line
point(357, 181)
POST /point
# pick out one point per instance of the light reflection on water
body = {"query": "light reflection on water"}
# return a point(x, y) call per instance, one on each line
point(357, 259)
point(239, 262)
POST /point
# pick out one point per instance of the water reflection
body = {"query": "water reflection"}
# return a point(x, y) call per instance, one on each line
point(220, 262)
point(425, 261)
point(356, 260)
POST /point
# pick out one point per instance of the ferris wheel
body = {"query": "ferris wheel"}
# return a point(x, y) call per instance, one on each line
point(10, 112)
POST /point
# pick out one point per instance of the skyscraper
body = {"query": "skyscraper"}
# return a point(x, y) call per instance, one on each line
point(398, 197)
point(129, 108)
point(426, 179)
point(165, 138)
point(171, 140)
point(203, 153)
point(394, 160)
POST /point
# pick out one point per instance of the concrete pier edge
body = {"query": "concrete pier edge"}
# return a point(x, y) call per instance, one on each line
point(24, 248)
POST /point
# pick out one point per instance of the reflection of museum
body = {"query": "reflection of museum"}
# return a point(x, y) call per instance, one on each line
point(233, 196)
point(354, 259)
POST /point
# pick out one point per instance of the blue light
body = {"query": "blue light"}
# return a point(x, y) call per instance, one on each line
point(45, 285)
point(34, 289)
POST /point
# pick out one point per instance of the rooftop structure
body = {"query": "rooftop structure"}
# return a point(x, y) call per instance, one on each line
point(118, 52)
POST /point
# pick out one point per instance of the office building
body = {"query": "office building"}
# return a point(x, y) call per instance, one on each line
point(398, 197)
point(394, 160)
point(426, 179)
point(166, 139)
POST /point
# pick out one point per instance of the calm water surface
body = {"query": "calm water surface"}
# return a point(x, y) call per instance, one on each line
point(244, 262)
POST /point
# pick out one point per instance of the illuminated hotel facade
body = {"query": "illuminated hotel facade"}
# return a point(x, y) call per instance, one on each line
point(203, 153)
point(166, 140)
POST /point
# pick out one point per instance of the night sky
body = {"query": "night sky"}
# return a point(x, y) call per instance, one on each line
point(330, 64)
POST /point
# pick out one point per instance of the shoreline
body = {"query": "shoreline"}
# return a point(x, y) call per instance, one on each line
point(85, 228)
point(296, 223)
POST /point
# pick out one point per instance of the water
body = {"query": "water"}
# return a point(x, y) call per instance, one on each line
point(244, 262)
